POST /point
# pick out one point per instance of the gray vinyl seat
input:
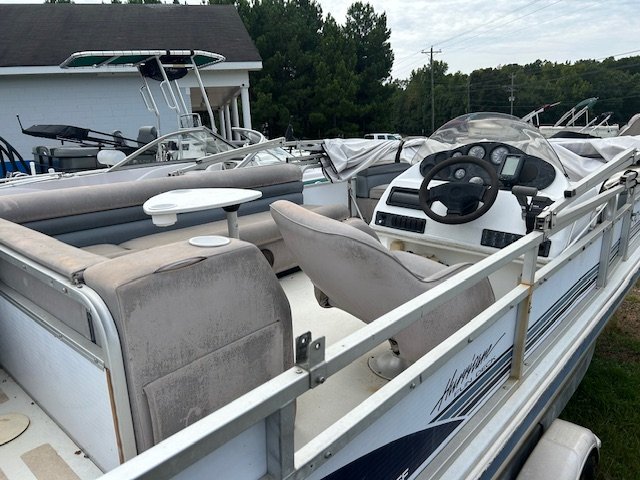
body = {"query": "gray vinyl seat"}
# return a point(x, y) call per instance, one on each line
point(356, 273)
point(146, 135)
point(198, 328)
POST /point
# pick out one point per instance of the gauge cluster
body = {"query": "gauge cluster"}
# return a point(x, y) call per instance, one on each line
point(534, 171)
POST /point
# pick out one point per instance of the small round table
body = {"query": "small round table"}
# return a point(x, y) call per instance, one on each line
point(165, 207)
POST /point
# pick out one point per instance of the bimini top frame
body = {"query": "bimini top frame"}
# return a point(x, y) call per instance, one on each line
point(165, 66)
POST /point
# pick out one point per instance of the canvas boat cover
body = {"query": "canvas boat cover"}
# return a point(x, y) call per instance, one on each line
point(580, 157)
point(346, 157)
point(56, 132)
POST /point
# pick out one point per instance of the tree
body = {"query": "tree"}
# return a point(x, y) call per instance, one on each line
point(332, 80)
point(370, 35)
point(287, 35)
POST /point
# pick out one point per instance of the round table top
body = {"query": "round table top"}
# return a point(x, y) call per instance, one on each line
point(195, 199)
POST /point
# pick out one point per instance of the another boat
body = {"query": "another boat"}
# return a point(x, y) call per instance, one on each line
point(575, 122)
point(97, 157)
point(462, 319)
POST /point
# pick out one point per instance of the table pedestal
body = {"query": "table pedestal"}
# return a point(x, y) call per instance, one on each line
point(232, 220)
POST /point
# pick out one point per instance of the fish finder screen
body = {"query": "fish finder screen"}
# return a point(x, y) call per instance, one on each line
point(510, 165)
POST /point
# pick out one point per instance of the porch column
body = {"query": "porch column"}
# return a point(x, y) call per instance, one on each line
point(235, 120)
point(246, 111)
point(223, 130)
point(227, 117)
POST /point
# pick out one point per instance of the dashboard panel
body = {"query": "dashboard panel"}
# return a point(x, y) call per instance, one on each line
point(534, 171)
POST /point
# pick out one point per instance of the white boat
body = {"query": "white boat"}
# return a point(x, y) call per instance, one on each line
point(494, 274)
point(575, 122)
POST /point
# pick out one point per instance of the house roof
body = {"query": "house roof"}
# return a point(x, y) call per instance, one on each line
point(47, 34)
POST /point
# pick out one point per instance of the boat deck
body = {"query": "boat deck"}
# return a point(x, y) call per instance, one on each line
point(322, 406)
point(43, 450)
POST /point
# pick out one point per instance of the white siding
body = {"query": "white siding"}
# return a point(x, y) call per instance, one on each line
point(103, 102)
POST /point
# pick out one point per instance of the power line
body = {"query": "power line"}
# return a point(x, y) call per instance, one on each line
point(617, 54)
point(482, 26)
point(508, 22)
point(549, 80)
point(485, 24)
point(556, 17)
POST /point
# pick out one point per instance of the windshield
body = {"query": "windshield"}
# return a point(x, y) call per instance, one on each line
point(185, 145)
point(496, 127)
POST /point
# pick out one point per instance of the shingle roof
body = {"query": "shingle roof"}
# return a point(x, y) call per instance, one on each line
point(46, 34)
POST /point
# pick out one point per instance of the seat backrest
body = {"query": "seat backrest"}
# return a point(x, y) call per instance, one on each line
point(362, 277)
point(146, 135)
point(351, 267)
point(198, 328)
point(113, 213)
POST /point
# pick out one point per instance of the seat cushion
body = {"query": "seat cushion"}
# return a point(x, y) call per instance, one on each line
point(376, 192)
point(421, 267)
point(257, 228)
point(108, 250)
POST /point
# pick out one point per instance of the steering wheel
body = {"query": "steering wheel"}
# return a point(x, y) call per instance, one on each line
point(461, 199)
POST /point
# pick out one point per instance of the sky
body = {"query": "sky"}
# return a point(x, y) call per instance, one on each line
point(473, 34)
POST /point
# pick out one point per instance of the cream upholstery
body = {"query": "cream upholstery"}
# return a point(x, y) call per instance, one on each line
point(198, 328)
point(360, 276)
point(59, 257)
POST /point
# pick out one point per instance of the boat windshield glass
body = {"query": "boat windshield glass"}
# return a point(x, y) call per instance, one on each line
point(496, 127)
point(191, 145)
point(182, 146)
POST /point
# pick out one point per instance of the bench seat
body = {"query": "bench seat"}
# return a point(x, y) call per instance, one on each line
point(257, 228)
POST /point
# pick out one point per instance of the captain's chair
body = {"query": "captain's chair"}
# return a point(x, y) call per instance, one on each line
point(356, 273)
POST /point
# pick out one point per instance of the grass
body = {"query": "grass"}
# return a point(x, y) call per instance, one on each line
point(608, 399)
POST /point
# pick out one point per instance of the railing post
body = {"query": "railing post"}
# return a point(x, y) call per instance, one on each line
point(524, 308)
point(605, 250)
point(280, 446)
point(626, 223)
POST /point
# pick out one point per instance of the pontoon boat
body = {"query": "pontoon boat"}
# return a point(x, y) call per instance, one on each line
point(440, 341)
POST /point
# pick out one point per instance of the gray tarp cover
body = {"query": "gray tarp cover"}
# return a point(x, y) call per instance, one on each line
point(346, 157)
point(580, 157)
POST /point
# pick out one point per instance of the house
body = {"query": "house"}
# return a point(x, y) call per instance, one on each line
point(36, 39)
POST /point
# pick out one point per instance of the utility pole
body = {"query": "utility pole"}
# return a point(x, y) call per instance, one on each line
point(469, 94)
point(512, 91)
point(433, 112)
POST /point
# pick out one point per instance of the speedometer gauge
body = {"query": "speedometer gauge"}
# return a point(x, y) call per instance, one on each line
point(459, 173)
point(498, 154)
point(477, 151)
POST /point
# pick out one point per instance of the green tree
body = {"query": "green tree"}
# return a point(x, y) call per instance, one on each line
point(287, 35)
point(332, 80)
point(374, 60)
point(336, 84)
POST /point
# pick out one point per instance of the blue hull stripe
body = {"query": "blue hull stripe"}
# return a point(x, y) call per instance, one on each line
point(471, 397)
point(399, 458)
point(551, 316)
